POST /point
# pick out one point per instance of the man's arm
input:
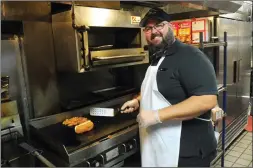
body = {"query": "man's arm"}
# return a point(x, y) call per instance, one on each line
point(188, 109)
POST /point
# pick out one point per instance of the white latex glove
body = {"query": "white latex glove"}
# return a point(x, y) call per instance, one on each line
point(217, 113)
point(148, 118)
point(130, 106)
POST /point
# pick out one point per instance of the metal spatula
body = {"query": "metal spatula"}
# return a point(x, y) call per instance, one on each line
point(104, 112)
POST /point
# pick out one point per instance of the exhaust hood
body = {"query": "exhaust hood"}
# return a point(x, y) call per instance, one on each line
point(244, 13)
point(149, 4)
point(222, 7)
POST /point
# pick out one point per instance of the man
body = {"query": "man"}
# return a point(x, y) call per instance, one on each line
point(177, 94)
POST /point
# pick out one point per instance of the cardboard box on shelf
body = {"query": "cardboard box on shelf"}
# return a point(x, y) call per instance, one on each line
point(175, 27)
point(184, 31)
point(200, 25)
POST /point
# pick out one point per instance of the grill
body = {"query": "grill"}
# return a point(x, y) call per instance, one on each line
point(111, 141)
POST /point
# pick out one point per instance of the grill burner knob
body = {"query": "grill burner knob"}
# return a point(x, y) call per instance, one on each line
point(98, 162)
point(95, 163)
point(88, 163)
point(130, 146)
point(123, 148)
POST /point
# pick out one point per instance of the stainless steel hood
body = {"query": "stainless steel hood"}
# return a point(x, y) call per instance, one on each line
point(239, 10)
point(150, 4)
point(244, 13)
point(222, 7)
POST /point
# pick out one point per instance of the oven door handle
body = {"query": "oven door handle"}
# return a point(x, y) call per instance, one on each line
point(119, 56)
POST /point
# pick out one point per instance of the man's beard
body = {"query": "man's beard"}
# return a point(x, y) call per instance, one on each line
point(167, 41)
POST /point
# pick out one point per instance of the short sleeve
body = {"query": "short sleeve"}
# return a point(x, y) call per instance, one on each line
point(197, 75)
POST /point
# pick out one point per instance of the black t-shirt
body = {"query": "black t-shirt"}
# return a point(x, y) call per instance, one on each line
point(186, 71)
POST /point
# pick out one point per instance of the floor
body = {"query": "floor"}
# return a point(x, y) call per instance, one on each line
point(239, 153)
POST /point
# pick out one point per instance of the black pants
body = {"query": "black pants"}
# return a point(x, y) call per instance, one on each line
point(196, 161)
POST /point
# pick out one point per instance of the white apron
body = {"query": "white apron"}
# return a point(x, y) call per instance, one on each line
point(160, 143)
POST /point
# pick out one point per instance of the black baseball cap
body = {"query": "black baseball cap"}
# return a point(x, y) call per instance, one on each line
point(154, 13)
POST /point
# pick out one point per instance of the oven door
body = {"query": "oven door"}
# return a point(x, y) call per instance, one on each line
point(97, 48)
point(111, 47)
point(111, 57)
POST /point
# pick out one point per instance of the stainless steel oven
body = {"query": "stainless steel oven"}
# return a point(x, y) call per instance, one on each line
point(88, 39)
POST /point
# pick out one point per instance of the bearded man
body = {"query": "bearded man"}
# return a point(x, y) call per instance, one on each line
point(177, 95)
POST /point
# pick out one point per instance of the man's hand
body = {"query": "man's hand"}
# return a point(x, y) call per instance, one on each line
point(148, 118)
point(130, 106)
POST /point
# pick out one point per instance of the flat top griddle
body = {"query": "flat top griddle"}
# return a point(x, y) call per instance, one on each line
point(103, 126)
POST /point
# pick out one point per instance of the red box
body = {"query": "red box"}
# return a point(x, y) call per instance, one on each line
point(184, 31)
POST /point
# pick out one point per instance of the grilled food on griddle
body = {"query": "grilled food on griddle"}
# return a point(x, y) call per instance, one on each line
point(84, 127)
point(74, 121)
point(81, 124)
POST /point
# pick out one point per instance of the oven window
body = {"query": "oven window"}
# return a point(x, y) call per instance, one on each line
point(106, 38)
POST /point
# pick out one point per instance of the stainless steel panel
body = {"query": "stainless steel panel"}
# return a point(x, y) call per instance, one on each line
point(96, 4)
point(98, 17)
point(13, 64)
point(228, 26)
point(28, 10)
point(238, 60)
point(67, 55)
point(12, 111)
point(244, 58)
point(39, 53)
point(232, 39)
point(9, 52)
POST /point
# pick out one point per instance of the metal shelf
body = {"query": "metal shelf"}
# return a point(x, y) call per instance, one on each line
point(221, 88)
point(209, 45)
point(206, 45)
